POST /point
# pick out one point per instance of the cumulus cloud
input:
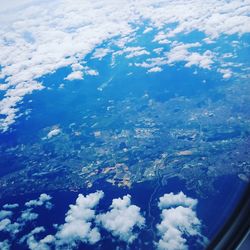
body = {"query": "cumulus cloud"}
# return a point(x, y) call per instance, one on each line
point(44, 199)
point(78, 226)
point(179, 221)
point(174, 200)
point(100, 53)
point(122, 219)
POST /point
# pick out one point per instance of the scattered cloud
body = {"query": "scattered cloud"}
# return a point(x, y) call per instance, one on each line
point(122, 219)
point(135, 52)
point(147, 30)
point(180, 199)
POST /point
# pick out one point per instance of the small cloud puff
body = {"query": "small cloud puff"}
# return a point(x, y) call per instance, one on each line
point(52, 133)
point(10, 206)
point(75, 75)
point(122, 219)
point(179, 221)
point(155, 69)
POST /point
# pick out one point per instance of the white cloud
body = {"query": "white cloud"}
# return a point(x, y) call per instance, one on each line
point(137, 53)
point(4, 214)
point(7, 226)
point(100, 53)
point(134, 52)
point(28, 215)
point(155, 69)
point(179, 53)
point(4, 223)
point(53, 132)
point(75, 75)
point(10, 206)
point(91, 72)
point(180, 199)
point(4, 245)
point(226, 73)
point(147, 30)
point(44, 199)
point(179, 221)
point(77, 67)
point(78, 226)
point(122, 219)
point(33, 243)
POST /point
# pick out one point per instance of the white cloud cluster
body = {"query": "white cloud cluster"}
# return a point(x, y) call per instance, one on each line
point(7, 226)
point(28, 215)
point(135, 52)
point(179, 53)
point(78, 225)
point(39, 37)
point(34, 244)
point(226, 73)
point(122, 219)
point(179, 221)
point(78, 72)
point(44, 199)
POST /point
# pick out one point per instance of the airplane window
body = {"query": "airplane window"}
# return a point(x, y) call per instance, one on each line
point(124, 124)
